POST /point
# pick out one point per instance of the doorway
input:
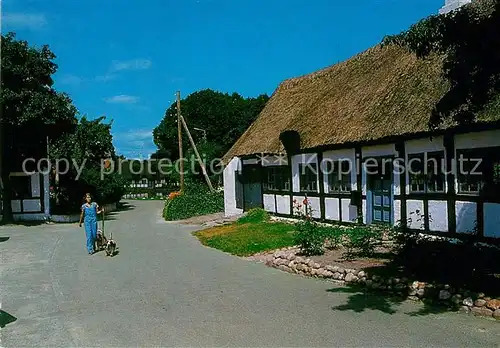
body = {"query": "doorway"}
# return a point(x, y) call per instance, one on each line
point(380, 190)
point(252, 186)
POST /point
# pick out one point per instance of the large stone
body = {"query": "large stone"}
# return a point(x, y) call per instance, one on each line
point(479, 302)
point(290, 257)
point(420, 292)
point(493, 304)
point(468, 302)
point(335, 269)
point(414, 285)
point(328, 274)
point(444, 295)
point(464, 309)
point(496, 314)
point(330, 268)
point(482, 311)
point(350, 278)
point(292, 264)
point(336, 275)
point(316, 265)
point(456, 299)
point(412, 292)
point(361, 274)
point(313, 271)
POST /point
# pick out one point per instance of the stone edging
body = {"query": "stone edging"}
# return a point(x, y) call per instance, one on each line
point(286, 260)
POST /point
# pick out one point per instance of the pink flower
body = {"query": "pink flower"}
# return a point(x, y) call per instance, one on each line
point(305, 201)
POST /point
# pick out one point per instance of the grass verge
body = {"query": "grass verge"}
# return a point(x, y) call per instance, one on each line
point(248, 238)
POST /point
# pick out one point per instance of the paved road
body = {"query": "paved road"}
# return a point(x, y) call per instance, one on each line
point(165, 289)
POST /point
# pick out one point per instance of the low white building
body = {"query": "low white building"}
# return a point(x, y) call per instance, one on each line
point(30, 196)
point(371, 112)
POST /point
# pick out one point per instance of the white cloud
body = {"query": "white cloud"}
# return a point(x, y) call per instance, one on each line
point(136, 64)
point(136, 143)
point(31, 21)
point(69, 79)
point(122, 99)
point(105, 78)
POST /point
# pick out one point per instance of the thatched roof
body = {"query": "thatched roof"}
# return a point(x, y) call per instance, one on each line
point(382, 92)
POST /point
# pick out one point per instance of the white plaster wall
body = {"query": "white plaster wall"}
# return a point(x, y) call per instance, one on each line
point(46, 194)
point(332, 209)
point(296, 160)
point(438, 216)
point(31, 217)
point(314, 203)
point(345, 154)
point(349, 212)
point(411, 212)
point(477, 139)
point(424, 145)
point(366, 213)
point(397, 212)
point(32, 205)
point(229, 188)
point(466, 216)
point(16, 205)
point(269, 203)
point(283, 204)
point(35, 185)
point(492, 220)
point(277, 160)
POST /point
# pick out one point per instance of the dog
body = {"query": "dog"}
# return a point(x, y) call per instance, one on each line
point(101, 241)
point(110, 246)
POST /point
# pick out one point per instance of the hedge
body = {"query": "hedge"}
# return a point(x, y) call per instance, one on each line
point(193, 202)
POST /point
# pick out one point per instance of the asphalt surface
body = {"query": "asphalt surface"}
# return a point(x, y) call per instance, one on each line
point(165, 289)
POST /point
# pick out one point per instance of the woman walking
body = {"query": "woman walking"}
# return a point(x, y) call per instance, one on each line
point(89, 213)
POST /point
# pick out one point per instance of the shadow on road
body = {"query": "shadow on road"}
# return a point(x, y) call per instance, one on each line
point(360, 300)
point(6, 318)
point(4, 239)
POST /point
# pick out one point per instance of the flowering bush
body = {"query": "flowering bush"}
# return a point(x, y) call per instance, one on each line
point(309, 236)
point(174, 194)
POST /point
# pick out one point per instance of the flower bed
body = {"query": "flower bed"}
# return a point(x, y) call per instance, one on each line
point(289, 260)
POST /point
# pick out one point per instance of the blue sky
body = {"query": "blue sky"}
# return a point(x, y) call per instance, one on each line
point(126, 59)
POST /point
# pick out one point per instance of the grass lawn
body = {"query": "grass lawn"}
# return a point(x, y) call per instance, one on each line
point(245, 239)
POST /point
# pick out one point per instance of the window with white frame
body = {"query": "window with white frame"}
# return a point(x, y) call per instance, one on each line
point(339, 175)
point(478, 171)
point(426, 172)
point(308, 177)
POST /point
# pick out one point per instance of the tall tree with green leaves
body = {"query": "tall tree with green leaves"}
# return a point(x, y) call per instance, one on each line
point(87, 148)
point(216, 120)
point(32, 109)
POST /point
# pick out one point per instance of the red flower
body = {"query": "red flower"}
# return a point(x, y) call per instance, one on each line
point(305, 201)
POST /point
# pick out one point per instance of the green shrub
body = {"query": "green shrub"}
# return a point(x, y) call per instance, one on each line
point(255, 215)
point(333, 236)
point(195, 201)
point(309, 237)
point(362, 240)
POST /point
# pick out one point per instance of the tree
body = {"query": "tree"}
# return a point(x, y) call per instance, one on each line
point(469, 41)
point(31, 109)
point(87, 148)
point(222, 116)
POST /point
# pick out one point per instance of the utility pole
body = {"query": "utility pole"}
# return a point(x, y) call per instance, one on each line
point(179, 133)
point(197, 154)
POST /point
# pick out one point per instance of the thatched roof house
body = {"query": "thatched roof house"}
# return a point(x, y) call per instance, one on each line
point(375, 106)
point(382, 92)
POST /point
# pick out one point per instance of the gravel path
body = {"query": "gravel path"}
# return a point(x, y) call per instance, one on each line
point(165, 289)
